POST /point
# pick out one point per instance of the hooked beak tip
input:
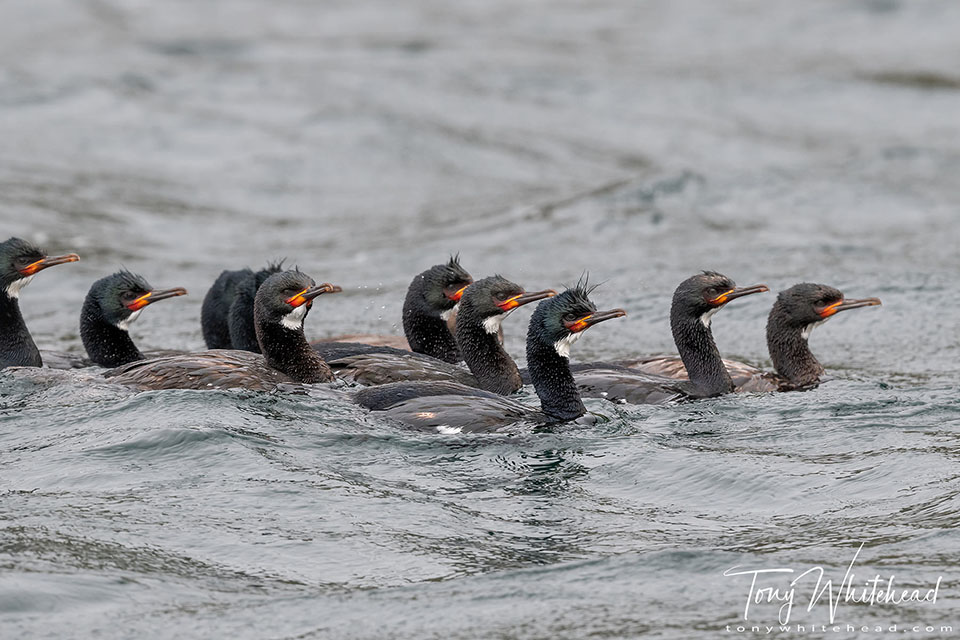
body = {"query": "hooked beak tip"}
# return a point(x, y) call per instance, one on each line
point(48, 261)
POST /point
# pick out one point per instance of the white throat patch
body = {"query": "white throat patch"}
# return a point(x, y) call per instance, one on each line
point(294, 319)
point(14, 289)
point(807, 330)
point(708, 316)
point(492, 324)
point(445, 315)
point(563, 344)
point(124, 325)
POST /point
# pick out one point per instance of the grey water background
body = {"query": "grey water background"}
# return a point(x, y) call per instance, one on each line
point(366, 141)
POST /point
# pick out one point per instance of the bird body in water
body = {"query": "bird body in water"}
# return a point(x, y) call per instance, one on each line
point(431, 302)
point(111, 305)
point(695, 301)
point(429, 319)
point(451, 408)
point(429, 311)
point(19, 262)
point(483, 307)
point(795, 314)
point(281, 305)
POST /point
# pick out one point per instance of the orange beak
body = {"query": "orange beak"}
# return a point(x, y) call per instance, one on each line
point(738, 292)
point(843, 305)
point(456, 295)
point(45, 262)
point(596, 317)
point(525, 298)
point(155, 296)
point(308, 294)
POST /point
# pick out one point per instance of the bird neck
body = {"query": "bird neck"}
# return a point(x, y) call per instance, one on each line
point(288, 351)
point(790, 352)
point(490, 364)
point(107, 344)
point(17, 348)
point(551, 377)
point(426, 330)
point(694, 340)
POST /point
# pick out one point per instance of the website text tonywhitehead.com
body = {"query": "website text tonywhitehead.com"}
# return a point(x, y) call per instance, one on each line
point(940, 630)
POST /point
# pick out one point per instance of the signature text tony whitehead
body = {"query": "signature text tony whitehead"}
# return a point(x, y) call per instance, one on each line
point(877, 590)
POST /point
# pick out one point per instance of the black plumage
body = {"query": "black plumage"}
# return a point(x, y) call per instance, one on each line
point(229, 301)
point(241, 321)
point(796, 312)
point(483, 306)
point(695, 301)
point(111, 305)
point(451, 408)
point(431, 297)
point(19, 262)
point(429, 311)
point(281, 305)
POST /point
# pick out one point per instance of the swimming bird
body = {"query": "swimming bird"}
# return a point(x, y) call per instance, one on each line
point(428, 310)
point(429, 319)
point(483, 307)
point(795, 314)
point(281, 304)
point(19, 262)
point(111, 305)
point(226, 317)
point(452, 408)
point(695, 301)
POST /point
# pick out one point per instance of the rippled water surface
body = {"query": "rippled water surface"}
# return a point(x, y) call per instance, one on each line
point(366, 141)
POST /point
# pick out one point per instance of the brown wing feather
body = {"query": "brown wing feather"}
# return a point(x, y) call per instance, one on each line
point(381, 368)
point(626, 387)
point(214, 369)
point(746, 378)
point(461, 414)
point(397, 342)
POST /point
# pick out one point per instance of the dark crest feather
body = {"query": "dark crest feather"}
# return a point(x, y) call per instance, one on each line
point(130, 279)
point(453, 269)
point(275, 266)
point(583, 288)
